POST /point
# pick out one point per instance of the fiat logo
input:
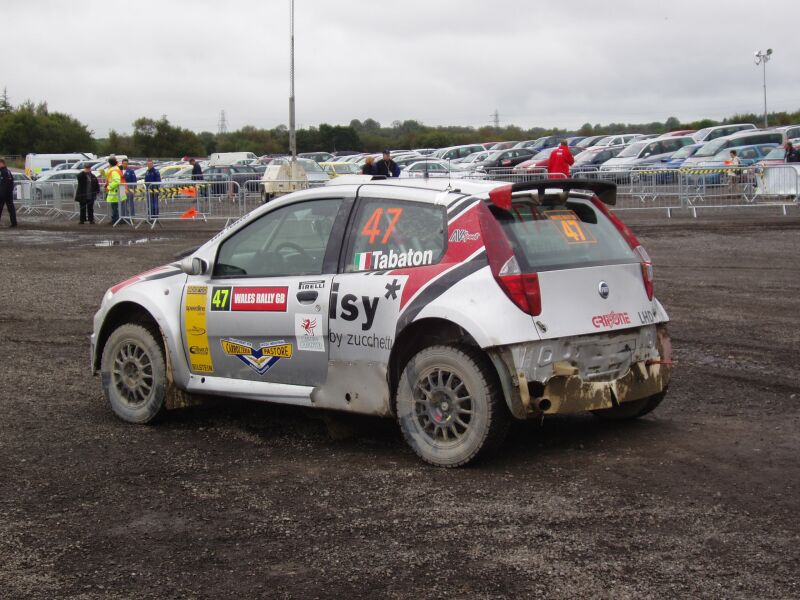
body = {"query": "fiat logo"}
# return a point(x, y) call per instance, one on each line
point(603, 289)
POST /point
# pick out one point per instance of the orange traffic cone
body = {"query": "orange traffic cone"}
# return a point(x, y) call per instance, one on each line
point(189, 214)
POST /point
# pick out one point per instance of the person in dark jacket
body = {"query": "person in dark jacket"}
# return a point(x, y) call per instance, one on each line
point(369, 166)
point(197, 175)
point(152, 177)
point(129, 176)
point(792, 154)
point(7, 192)
point(85, 195)
point(386, 166)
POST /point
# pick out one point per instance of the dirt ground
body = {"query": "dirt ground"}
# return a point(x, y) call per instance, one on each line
point(237, 499)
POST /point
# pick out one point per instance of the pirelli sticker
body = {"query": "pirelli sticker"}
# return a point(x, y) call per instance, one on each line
point(196, 300)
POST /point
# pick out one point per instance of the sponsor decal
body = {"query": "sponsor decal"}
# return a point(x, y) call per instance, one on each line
point(196, 329)
point(372, 228)
point(312, 285)
point(260, 358)
point(462, 235)
point(612, 319)
point(308, 330)
point(354, 308)
point(262, 299)
point(365, 340)
point(381, 259)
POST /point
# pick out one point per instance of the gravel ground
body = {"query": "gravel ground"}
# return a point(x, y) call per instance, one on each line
point(236, 499)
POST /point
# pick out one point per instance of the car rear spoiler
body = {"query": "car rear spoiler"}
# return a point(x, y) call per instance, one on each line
point(607, 192)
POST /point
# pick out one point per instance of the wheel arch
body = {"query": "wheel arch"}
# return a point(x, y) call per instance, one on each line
point(426, 332)
point(120, 314)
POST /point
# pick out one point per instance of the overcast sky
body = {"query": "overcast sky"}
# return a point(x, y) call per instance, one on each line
point(440, 62)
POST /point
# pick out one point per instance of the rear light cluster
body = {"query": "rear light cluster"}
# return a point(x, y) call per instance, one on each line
point(521, 288)
point(633, 242)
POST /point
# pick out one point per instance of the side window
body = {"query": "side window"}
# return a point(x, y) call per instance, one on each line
point(395, 235)
point(288, 241)
point(748, 153)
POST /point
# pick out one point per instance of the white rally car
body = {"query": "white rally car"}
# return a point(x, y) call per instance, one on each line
point(451, 306)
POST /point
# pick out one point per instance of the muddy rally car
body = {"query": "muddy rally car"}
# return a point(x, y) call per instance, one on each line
point(453, 307)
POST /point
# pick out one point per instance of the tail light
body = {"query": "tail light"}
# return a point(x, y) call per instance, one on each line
point(633, 242)
point(521, 288)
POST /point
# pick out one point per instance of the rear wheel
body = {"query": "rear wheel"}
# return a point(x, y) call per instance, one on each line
point(631, 410)
point(133, 374)
point(449, 406)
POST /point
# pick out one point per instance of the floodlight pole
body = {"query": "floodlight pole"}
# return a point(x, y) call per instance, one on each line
point(292, 134)
point(762, 58)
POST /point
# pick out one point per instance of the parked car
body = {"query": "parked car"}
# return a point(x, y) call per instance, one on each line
point(469, 163)
point(590, 160)
point(231, 179)
point(677, 159)
point(334, 169)
point(741, 138)
point(503, 159)
point(589, 142)
point(538, 162)
point(22, 186)
point(679, 133)
point(452, 310)
point(616, 140)
point(711, 133)
point(747, 155)
point(425, 151)
point(56, 184)
point(776, 156)
point(428, 168)
point(318, 157)
point(457, 151)
point(504, 145)
point(642, 153)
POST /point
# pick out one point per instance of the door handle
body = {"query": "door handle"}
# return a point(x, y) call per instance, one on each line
point(307, 297)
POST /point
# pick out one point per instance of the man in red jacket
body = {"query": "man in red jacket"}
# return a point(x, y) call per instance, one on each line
point(560, 159)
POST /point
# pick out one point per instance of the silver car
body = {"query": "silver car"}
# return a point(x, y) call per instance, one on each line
point(451, 308)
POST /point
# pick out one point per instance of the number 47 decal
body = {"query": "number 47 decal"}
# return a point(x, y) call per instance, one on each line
point(372, 226)
point(221, 298)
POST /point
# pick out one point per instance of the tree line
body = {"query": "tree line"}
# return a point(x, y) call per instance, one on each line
point(31, 127)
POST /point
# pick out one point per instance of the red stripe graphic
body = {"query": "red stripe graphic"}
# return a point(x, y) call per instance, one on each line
point(457, 252)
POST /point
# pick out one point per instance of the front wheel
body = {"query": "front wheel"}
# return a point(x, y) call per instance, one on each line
point(133, 374)
point(450, 407)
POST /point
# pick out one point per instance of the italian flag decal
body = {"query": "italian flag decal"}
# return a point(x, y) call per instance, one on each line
point(363, 261)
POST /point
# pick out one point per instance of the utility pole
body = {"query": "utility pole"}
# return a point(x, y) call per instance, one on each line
point(762, 58)
point(222, 126)
point(292, 133)
point(496, 119)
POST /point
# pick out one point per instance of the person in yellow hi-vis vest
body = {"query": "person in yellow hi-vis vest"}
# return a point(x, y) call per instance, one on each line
point(113, 178)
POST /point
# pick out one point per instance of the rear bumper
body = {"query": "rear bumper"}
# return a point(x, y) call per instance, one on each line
point(584, 373)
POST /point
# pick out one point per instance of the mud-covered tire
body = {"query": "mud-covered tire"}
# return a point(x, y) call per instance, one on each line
point(631, 410)
point(133, 374)
point(450, 406)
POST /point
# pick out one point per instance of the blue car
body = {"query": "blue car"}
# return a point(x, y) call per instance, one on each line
point(748, 155)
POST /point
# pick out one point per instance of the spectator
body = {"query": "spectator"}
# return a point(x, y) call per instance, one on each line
point(792, 155)
point(733, 161)
point(129, 175)
point(152, 177)
point(7, 192)
point(386, 166)
point(369, 166)
point(113, 179)
point(85, 195)
point(197, 175)
point(560, 160)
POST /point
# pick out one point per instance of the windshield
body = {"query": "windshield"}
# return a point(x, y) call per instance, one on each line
point(632, 150)
point(586, 142)
point(345, 168)
point(309, 165)
point(685, 152)
point(711, 148)
point(562, 235)
point(775, 153)
point(604, 141)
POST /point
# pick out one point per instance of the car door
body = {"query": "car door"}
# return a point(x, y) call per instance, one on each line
point(261, 315)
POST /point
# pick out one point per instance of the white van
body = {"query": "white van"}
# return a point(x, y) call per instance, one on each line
point(229, 158)
point(718, 131)
point(37, 164)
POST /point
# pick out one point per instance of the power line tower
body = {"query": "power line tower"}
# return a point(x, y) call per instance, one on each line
point(496, 119)
point(222, 126)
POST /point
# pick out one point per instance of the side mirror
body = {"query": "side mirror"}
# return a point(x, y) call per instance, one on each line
point(193, 266)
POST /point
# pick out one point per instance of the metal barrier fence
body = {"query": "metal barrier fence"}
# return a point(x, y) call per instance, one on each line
point(227, 199)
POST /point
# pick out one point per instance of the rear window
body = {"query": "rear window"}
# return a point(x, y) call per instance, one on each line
point(563, 235)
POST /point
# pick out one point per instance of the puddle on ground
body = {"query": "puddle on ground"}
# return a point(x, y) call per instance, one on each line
point(41, 236)
point(136, 242)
